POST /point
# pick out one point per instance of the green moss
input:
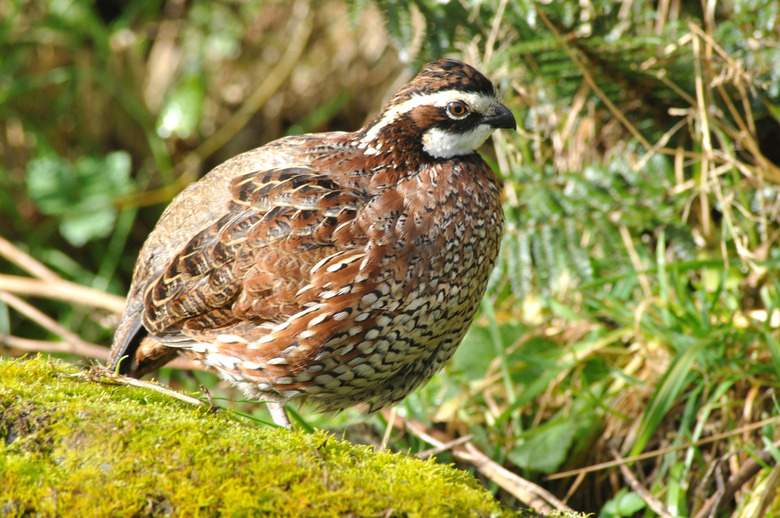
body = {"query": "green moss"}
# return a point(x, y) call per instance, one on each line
point(72, 447)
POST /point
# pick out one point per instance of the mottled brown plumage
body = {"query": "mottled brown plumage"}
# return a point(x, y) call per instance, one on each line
point(342, 268)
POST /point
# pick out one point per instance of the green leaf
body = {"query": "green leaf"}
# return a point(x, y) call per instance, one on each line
point(49, 180)
point(675, 490)
point(80, 228)
point(81, 194)
point(477, 350)
point(624, 503)
point(547, 449)
point(666, 394)
point(182, 112)
point(475, 353)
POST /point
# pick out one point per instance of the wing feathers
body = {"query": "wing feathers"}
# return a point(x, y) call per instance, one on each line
point(252, 262)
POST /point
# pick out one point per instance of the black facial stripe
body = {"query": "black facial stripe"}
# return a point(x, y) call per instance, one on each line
point(467, 123)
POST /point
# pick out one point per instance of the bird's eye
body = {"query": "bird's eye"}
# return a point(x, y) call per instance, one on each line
point(457, 110)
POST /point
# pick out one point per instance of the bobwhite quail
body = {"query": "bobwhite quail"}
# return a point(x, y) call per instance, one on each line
point(340, 268)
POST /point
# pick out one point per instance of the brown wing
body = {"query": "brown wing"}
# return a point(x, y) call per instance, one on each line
point(196, 208)
point(242, 274)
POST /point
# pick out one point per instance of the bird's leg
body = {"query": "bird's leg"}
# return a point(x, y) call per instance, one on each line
point(279, 414)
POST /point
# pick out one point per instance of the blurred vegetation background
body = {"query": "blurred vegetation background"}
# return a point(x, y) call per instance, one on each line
point(626, 356)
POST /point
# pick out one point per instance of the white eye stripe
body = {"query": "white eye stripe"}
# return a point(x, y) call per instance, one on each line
point(476, 102)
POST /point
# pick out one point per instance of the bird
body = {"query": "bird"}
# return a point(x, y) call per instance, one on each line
point(339, 268)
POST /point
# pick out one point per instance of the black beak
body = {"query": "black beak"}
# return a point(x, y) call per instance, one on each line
point(499, 116)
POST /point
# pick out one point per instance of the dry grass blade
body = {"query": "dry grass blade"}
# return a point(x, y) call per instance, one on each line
point(702, 101)
point(527, 492)
point(444, 447)
point(48, 285)
point(78, 345)
point(748, 470)
point(25, 261)
point(650, 500)
point(97, 352)
point(768, 496)
point(99, 371)
point(663, 451)
point(388, 428)
point(586, 74)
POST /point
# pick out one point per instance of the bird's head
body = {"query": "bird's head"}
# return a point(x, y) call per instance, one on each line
point(448, 110)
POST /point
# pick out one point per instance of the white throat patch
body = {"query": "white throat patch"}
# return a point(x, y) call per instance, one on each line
point(443, 144)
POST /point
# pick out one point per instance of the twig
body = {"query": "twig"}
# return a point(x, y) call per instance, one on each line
point(26, 262)
point(444, 447)
point(538, 497)
point(60, 289)
point(389, 428)
point(651, 501)
point(47, 323)
point(748, 470)
point(147, 385)
point(527, 492)
point(663, 451)
point(214, 408)
point(87, 350)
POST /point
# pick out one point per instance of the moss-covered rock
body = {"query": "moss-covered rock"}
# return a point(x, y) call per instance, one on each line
point(74, 447)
